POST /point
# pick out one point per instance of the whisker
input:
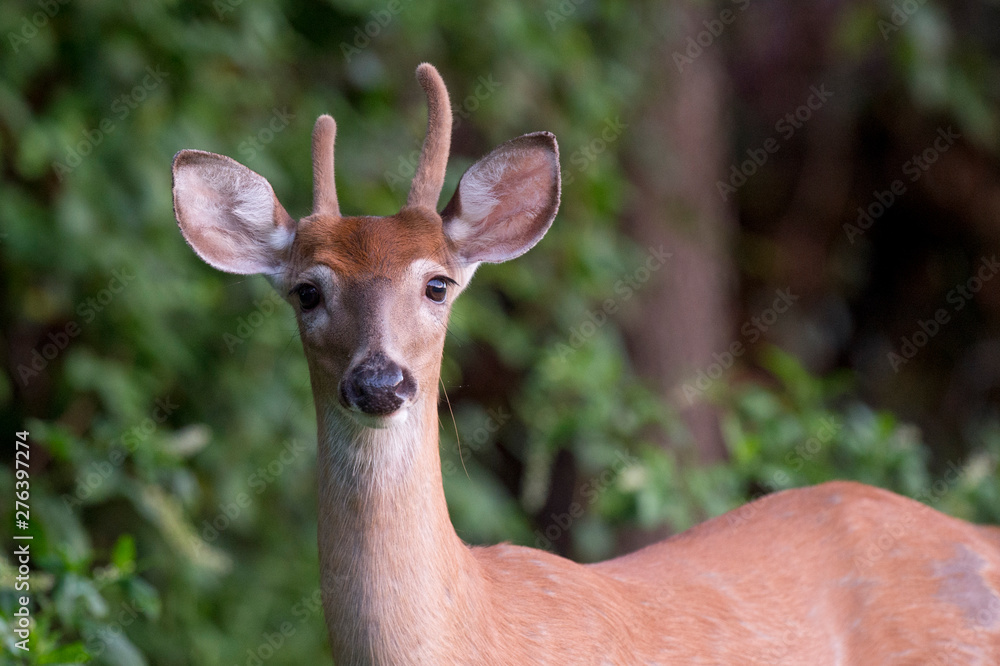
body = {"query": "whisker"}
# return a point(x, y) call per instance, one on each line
point(444, 389)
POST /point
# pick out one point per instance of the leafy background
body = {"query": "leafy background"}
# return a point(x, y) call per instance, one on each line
point(173, 439)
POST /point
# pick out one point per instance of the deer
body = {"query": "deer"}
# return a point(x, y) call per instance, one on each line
point(838, 573)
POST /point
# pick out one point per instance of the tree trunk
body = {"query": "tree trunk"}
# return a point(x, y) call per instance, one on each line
point(678, 150)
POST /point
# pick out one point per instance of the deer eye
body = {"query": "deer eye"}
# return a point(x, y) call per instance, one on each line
point(437, 290)
point(308, 296)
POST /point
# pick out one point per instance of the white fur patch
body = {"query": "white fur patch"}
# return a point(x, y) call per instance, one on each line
point(423, 267)
point(229, 215)
point(280, 239)
point(420, 268)
point(254, 202)
point(380, 456)
point(478, 188)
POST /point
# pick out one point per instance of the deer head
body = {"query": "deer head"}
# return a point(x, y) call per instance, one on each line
point(372, 294)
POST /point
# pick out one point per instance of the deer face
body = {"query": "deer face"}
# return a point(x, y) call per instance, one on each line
point(372, 294)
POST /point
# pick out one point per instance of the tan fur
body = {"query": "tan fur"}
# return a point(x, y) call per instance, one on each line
point(221, 206)
point(836, 574)
point(427, 182)
point(324, 186)
point(354, 246)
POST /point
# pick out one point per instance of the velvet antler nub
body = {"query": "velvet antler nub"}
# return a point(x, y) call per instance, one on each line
point(429, 179)
point(324, 184)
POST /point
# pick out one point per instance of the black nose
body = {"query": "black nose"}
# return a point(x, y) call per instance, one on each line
point(377, 386)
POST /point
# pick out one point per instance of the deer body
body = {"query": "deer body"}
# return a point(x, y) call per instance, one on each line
point(836, 574)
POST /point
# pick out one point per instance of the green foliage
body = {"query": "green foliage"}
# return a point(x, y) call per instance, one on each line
point(168, 527)
point(808, 432)
point(172, 389)
point(793, 431)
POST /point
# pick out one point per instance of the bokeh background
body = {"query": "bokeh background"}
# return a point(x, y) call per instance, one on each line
point(775, 264)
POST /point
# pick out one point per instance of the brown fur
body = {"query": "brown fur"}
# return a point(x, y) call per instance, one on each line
point(324, 186)
point(376, 246)
point(427, 182)
point(836, 574)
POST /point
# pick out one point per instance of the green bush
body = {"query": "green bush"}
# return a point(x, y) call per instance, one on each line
point(160, 394)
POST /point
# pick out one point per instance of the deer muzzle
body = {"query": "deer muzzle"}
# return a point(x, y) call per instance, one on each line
point(377, 386)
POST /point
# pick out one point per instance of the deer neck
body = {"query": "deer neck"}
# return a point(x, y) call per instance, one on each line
point(393, 571)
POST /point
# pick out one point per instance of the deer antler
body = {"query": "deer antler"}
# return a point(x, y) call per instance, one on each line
point(324, 184)
point(429, 179)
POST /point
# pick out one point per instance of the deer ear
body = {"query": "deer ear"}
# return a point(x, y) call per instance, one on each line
point(506, 201)
point(229, 215)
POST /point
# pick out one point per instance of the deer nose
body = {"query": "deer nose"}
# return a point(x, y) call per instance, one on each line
point(377, 386)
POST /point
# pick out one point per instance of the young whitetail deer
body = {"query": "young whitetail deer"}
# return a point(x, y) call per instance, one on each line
point(836, 574)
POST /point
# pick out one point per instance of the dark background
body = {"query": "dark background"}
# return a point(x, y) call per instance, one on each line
point(603, 395)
